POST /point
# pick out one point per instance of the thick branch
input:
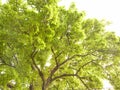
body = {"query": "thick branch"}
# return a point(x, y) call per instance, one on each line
point(40, 72)
point(55, 68)
point(49, 79)
point(65, 61)
point(69, 75)
point(34, 63)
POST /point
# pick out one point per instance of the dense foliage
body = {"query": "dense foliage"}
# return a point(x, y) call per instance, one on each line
point(43, 46)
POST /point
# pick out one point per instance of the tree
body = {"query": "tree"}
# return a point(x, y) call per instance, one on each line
point(46, 47)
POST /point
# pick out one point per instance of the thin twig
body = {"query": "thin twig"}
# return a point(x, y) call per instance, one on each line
point(56, 61)
point(4, 63)
point(83, 82)
point(84, 66)
point(74, 75)
point(66, 75)
point(14, 55)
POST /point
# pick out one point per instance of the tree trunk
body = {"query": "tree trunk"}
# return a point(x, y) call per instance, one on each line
point(31, 87)
point(44, 87)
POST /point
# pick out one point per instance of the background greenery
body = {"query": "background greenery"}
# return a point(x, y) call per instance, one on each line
point(46, 47)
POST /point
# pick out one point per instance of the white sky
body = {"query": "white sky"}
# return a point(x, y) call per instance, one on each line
point(101, 9)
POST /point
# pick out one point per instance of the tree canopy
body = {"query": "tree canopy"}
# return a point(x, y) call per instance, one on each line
point(45, 47)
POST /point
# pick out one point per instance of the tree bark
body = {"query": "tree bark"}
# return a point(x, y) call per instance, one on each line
point(31, 87)
point(45, 85)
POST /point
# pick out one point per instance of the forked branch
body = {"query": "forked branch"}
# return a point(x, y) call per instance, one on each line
point(34, 63)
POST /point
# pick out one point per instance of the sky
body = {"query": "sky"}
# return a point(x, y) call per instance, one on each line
point(100, 9)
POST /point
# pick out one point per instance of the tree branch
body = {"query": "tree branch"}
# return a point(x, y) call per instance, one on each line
point(84, 65)
point(55, 68)
point(56, 61)
point(66, 75)
point(49, 79)
point(14, 55)
point(74, 75)
point(65, 61)
point(4, 63)
point(34, 63)
point(83, 82)
point(7, 65)
point(76, 55)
